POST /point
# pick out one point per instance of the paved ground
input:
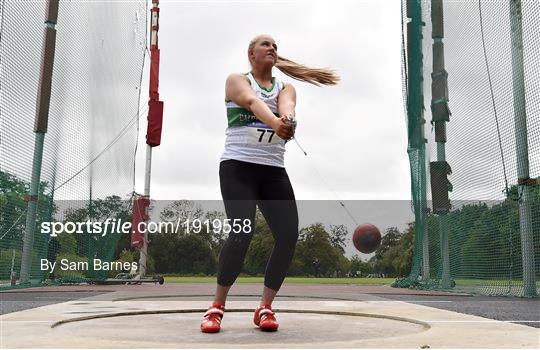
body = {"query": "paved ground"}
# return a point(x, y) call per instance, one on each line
point(524, 311)
point(340, 316)
point(18, 301)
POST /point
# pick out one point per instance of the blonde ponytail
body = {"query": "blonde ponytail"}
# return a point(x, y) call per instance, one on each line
point(315, 76)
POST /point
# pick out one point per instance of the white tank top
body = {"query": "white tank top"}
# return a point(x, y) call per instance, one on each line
point(246, 137)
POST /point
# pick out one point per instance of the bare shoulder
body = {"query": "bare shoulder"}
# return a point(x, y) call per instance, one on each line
point(288, 86)
point(235, 78)
point(288, 90)
point(237, 85)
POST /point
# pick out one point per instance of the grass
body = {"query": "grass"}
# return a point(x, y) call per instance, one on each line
point(306, 280)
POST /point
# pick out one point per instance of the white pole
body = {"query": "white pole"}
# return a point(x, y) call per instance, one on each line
point(154, 97)
point(28, 243)
point(40, 128)
point(147, 175)
point(520, 124)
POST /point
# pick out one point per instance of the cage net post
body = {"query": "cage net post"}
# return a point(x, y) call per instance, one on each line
point(153, 135)
point(412, 70)
point(522, 152)
point(440, 168)
point(40, 128)
point(484, 236)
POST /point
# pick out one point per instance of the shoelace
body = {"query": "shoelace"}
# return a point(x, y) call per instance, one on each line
point(265, 314)
point(213, 313)
point(213, 317)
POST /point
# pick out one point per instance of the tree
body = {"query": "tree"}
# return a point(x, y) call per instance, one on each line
point(314, 242)
point(390, 238)
point(260, 247)
point(338, 235)
point(403, 262)
point(215, 235)
point(106, 247)
point(182, 210)
point(179, 252)
point(394, 255)
point(13, 209)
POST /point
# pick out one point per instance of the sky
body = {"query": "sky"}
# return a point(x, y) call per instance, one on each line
point(354, 133)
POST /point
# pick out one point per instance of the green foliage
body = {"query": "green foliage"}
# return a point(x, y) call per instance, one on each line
point(183, 210)
point(132, 255)
point(67, 243)
point(314, 243)
point(394, 255)
point(389, 239)
point(188, 254)
point(181, 253)
point(260, 248)
point(107, 248)
point(359, 268)
point(9, 257)
point(68, 274)
point(128, 255)
point(215, 236)
point(485, 240)
point(76, 246)
point(338, 235)
point(13, 209)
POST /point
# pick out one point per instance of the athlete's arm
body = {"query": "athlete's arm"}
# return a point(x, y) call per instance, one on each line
point(287, 101)
point(238, 90)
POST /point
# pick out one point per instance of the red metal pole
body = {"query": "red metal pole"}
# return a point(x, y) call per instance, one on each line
point(154, 52)
point(153, 137)
point(155, 107)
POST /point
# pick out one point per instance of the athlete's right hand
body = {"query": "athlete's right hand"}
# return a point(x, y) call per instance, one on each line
point(283, 128)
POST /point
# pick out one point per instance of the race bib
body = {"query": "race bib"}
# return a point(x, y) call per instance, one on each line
point(262, 134)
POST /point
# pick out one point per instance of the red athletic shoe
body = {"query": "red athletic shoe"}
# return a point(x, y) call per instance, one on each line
point(264, 318)
point(211, 322)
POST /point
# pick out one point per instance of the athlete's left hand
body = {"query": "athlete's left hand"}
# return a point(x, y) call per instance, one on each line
point(287, 130)
point(291, 120)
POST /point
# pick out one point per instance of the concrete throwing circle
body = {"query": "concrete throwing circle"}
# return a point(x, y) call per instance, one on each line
point(181, 327)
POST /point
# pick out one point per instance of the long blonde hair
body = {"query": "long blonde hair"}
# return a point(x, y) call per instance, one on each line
point(315, 76)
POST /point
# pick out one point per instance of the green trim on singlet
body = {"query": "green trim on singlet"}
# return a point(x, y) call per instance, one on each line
point(238, 116)
point(262, 87)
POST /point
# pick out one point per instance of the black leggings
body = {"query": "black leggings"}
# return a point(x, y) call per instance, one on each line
point(243, 187)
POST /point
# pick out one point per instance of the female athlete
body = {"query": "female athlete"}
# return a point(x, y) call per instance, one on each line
point(261, 119)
